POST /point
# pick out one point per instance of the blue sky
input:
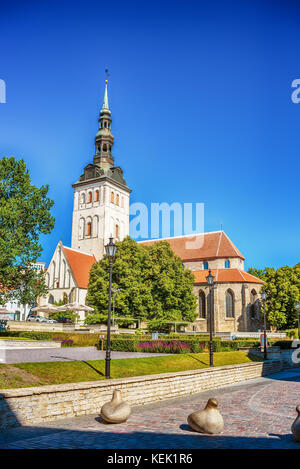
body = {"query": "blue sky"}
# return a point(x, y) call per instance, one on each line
point(200, 94)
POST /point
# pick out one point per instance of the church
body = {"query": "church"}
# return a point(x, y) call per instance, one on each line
point(101, 210)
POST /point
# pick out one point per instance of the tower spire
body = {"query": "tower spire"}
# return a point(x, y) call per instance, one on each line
point(104, 139)
point(105, 106)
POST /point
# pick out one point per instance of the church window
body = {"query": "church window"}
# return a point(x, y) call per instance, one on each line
point(82, 198)
point(229, 304)
point(97, 196)
point(89, 198)
point(227, 264)
point(109, 148)
point(104, 147)
point(105, 124)
point(117, 199)
point(205, 265)
point(117, 232)
point(89, 228)
point(98, 149)
point(112, 197)
point(202, 305)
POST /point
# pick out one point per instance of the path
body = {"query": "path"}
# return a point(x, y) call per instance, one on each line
point(66, 354)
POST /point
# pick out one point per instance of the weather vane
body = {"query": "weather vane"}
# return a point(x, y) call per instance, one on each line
point(106, 74)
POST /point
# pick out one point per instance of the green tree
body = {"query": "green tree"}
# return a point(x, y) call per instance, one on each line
point(31, 286)
point(283, 290)
point(153, 284)
point(24, 215)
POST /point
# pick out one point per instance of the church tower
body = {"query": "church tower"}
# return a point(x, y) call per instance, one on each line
point(101, 195)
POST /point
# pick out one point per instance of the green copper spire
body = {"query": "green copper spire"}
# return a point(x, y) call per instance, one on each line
point(105, 107)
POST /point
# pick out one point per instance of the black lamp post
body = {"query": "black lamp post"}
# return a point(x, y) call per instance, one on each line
point(110, 250)
point(297, 308)
point(210, 281)
point(264, 297)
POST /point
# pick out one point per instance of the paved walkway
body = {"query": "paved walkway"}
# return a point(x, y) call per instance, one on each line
point(65, 354)
point(257, 414)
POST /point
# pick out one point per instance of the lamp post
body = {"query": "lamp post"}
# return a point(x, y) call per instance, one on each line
point(210, 281)
point(114, 290)
point(297, 308)
point(110, 250)
point(264, 297)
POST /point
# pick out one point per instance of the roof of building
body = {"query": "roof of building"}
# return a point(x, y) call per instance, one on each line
point(202, 246)
point(81, 264)
point(226, 276)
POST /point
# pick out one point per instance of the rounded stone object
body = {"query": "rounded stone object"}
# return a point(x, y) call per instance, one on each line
point(296, 426)
point(209, 420)
point(115, 411)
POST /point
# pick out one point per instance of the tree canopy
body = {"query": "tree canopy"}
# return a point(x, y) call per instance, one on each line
point(283, 290)
point(24, 215)
point(151, 281)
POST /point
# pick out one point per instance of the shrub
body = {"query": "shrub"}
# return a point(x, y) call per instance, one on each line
point(67, 343)
point(292, 333)
point(161, 346)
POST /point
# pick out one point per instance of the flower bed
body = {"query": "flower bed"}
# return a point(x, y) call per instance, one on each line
point(160, 346)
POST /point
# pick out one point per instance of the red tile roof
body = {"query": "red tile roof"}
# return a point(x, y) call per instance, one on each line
point(80, 264)
point(211, 246)
point(226, 276)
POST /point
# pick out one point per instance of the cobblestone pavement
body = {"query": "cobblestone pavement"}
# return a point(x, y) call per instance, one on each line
point(258, 414)
point(61, 354)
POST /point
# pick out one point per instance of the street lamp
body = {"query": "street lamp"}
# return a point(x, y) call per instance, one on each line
point(114, 290)
point(297, 308)
point(110, 250)
point(210, 281)
point(264, 297)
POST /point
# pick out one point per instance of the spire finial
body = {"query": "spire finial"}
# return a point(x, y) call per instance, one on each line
point(105, 100)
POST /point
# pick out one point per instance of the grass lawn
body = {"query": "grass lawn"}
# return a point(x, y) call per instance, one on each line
point(37, 374)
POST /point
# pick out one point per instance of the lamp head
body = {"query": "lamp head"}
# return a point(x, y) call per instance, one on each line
point(210, 278)
point(111, 249)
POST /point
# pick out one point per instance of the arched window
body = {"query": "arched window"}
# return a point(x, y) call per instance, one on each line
point(83, 198)
point(109, 148)
point(202, 305)
point(105, 124)
point(112, 197)
point(205, 265)
point(81, 228)
point(95, 226)
point(255, 304)
point(227, 264)
point(117, 199)
point(63, 273)
point(117, 231)
point(89, 228)
point(104, 148)
point(98, 149)
point(229, 304)
point(54, 272)
point(90, 197)
point(97, 196)
point(51, 299)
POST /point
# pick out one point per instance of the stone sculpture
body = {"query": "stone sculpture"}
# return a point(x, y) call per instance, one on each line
point(296, 426)
point(209, 420)
point(115, 411)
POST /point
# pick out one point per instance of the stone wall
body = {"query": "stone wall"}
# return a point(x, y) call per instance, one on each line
point(41, 404)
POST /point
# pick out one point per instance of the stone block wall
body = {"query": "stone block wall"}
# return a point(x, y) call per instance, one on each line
point(41, 404)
